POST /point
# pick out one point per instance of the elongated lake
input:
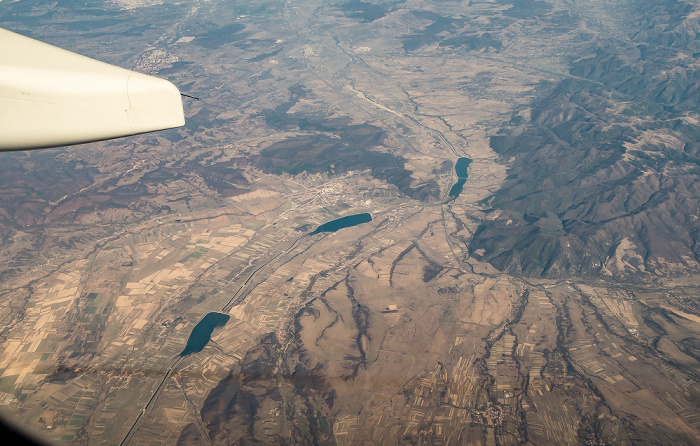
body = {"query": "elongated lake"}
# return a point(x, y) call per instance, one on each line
point(201, 333)
point(343, 222)
point(461, 170)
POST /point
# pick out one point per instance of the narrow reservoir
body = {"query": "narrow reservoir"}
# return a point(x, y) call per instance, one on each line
point(201, 333)
point(456, 188)
point(343, 222)
point(461, 170)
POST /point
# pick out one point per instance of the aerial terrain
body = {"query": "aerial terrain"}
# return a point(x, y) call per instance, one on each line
point(430, 222)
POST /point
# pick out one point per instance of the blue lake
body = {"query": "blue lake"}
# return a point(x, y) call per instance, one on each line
point(456, 188)
point(201, 333)
point(344, 222)
point(462, 166)
point(461, 170)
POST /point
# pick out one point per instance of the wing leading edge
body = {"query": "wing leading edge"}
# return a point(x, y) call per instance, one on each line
point(51, 97)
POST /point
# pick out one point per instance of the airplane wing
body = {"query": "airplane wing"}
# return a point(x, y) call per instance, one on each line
point(51, 97)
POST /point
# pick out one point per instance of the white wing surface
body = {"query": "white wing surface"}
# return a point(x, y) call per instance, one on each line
point(51, 97)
